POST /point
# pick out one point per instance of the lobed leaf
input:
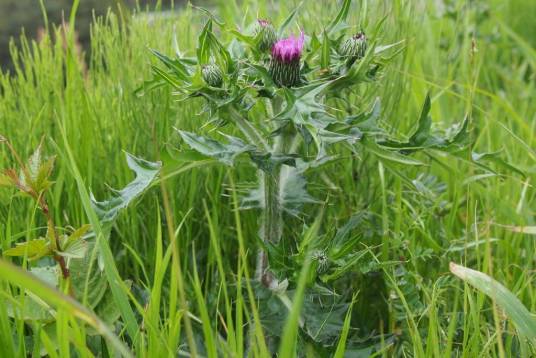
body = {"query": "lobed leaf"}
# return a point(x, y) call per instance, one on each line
point(146, 173)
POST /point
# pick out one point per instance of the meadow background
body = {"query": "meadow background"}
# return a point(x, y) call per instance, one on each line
point(476, 58)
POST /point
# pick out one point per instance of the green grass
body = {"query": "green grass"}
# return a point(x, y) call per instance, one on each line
point(186, 234)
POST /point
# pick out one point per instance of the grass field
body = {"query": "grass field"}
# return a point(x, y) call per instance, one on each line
point(173, 273)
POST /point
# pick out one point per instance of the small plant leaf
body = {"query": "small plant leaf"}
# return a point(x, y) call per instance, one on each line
point(73, 248)
point(34, 163)
point(203, 44)
point(34, 249)
point(6, 180)
point(505, 299)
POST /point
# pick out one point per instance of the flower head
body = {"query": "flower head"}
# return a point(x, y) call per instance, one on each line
point(285, 63)
point(212, 75)
point(355, 47)
point(266, 35)
point(288, 50)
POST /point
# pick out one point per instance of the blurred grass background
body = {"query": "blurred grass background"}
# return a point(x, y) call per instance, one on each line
point(476, 57)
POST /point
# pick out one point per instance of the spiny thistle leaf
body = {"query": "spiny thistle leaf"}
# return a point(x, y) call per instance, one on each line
point(146, 173)
point(225, 153)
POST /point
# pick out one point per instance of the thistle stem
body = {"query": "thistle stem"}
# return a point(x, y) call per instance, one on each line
point(272, 221)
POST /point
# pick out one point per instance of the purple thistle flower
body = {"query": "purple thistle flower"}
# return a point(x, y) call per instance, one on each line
point(285, 63)
point(288, 50)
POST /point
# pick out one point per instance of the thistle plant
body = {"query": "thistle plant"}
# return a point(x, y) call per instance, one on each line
point(282, 106)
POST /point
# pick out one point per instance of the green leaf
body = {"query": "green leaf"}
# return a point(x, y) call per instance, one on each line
point(17, 276)
point(41, 182)
point(203, 44)
point(28, 309)
point(34, 249)
point(88, 286)
point(108, 309)
point(34, 162)
point(292, 193)
point(73, 248)
point(324, 60)
point(494, 157)
point(178, 67)
point(389, 155)
point(529, 230)
point(225, 153)
point(341, 16)
point(165, 76)
point(289, 20)
point(146, 173)
point(6, 180)
point(506, 300)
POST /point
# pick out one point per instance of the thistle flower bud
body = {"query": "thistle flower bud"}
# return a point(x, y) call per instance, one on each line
point(266, 35)
point(212, 75)
point(285, 62)
point(354, 47)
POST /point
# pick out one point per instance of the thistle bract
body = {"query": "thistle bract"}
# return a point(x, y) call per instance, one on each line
point(354, 47)
point(285, 62)
point(212, 75)
point(266, 35)
point(322, 261)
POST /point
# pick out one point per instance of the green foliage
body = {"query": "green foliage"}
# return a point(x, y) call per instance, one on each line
point(505, 299)
point(406, 184)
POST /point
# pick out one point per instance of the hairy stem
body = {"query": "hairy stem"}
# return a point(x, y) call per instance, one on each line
point(272, 221)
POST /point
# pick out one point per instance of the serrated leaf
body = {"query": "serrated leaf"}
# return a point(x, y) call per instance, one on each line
point(505, 299)
point(267, 162)
point(223, 152)
point(302, 103)
point(34, 249)
point(34, 162)
point(292, 192)
point(146, 173)
point(42, 182)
